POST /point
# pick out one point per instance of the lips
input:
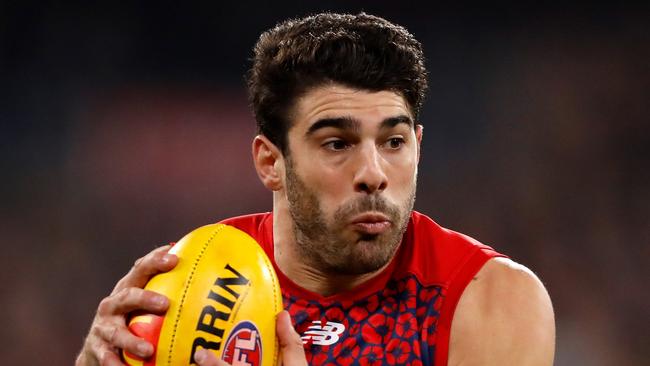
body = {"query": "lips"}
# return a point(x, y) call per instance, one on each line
point(371, 223)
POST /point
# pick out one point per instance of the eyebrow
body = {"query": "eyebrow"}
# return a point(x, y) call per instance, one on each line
point(351, 123)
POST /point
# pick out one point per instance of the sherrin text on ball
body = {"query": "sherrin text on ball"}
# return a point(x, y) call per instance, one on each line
point(224, 296)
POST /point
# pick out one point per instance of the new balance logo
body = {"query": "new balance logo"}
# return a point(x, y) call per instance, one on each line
point(323, 335)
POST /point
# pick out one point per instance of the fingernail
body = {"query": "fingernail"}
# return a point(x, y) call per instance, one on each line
point(200, 355)
point(144, 349)
point(167, 258)
point(287, 317)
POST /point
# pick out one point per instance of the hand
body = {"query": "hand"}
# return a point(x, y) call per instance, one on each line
point(291, 351)
point(108, 332)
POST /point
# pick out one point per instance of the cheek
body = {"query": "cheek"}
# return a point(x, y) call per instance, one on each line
point(333, 188)
point(326, 184)
point(401, 181)
point(403, 169)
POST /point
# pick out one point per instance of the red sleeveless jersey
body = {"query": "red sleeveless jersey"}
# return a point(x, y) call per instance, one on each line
point(402, 316)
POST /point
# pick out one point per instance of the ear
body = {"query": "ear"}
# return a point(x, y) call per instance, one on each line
point(269, 162)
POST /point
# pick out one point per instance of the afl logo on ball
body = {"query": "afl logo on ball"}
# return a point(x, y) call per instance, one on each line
point(244, 345)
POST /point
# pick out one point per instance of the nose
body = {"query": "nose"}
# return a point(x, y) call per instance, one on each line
point(370, 176)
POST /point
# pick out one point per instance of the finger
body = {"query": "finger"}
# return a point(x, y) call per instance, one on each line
point(291, 349)
point(120, 337)
point(108, 356)
point(203, 357)
point(131, 299)
point(158, 260)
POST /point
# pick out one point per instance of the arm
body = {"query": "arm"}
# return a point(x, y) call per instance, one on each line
point(108, 332)
point(504, 317)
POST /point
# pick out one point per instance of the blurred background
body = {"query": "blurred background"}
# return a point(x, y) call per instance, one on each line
point(124, 125)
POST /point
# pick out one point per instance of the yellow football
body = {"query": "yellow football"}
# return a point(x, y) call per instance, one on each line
point(224, 296)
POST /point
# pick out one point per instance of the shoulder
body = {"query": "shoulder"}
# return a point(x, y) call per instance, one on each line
point(504, 316)
point(440, 256)
point(253, 224)
point(247, 220)
point(259, 226)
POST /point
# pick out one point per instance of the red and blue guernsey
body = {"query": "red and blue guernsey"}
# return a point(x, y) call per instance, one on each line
point(402, 316)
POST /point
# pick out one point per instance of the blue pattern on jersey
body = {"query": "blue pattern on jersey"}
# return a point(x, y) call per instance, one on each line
point(393, 326)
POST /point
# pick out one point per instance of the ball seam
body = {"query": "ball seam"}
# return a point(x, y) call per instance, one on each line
point(186, 289)
point(275, 295)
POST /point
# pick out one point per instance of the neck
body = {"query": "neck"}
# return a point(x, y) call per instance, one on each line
point(299, 270)
point(327, 284)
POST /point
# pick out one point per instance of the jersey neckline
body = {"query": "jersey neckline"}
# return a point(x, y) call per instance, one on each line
point(362, 290)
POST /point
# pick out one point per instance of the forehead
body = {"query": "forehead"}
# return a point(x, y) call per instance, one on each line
point(334, 100)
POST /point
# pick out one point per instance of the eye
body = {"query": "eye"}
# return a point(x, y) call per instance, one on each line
point(394, 143)
point(336, 145)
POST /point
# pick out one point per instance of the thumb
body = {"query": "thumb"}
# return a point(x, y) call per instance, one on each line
point(203, 357)
point(291, 350)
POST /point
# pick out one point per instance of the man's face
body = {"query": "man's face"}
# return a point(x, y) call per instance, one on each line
point(350, 176)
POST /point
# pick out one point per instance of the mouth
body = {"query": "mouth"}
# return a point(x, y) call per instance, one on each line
point(371, 223)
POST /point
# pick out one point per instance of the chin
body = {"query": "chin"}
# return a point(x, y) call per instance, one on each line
point(363, 260)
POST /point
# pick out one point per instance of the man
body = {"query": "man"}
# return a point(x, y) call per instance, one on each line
point(336, 98)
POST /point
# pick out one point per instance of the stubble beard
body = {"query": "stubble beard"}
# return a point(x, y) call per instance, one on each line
point(329, 245)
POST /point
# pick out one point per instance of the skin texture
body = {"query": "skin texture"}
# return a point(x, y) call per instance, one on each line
point(504, 317)
point(341, 199)
point(343, 195)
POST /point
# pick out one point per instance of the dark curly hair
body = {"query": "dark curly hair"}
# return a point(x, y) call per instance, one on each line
point(359, 51)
